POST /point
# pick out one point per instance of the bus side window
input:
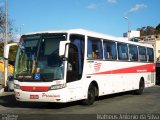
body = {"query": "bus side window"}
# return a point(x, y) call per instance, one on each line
point(94, 48)
point(133, 53)
point(142, 53)
point(122, 51)
point(110, 50)
point(150, 55)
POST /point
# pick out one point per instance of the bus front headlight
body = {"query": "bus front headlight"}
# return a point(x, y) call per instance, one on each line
point(55, 87)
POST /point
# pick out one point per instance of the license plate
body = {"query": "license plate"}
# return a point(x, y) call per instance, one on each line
point(34, 97)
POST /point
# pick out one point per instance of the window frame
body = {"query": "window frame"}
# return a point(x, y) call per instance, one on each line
point(118, 50)
point(114, 57)
point(148, 56)
point(139, 47)
point(93, 53)
point(129, 52)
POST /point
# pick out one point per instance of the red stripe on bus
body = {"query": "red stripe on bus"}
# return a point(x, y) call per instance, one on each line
point(34, 88)
point(135, 69)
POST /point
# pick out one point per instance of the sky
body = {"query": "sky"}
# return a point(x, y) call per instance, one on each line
point(104, 16)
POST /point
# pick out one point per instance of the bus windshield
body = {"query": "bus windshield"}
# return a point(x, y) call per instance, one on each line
point(38, 58)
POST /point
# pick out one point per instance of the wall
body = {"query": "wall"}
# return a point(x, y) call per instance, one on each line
point(10, 71)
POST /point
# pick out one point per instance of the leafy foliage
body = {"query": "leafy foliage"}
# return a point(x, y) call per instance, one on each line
point(149, 30)
point(1, 49)
point(2, 35)
point(158, 29)
point(2, 25)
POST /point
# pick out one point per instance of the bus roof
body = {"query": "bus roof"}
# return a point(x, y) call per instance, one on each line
point(93, 34)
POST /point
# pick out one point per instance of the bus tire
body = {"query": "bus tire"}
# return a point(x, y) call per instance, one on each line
point(141, 88)
point(90, 96)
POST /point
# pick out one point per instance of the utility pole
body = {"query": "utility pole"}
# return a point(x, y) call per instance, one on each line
point(5, 43)
point(6, 23)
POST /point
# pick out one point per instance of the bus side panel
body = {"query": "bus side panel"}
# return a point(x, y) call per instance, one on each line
point(114, 76)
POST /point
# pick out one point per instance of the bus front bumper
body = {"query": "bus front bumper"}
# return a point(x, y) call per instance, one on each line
point(49, 96)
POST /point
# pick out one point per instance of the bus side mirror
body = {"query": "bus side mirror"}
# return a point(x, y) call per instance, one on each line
point(62, 48)
point(6, 49)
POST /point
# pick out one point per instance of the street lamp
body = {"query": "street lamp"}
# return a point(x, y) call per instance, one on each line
point(128, 27)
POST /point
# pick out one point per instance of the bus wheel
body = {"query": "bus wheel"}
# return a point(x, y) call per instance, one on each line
point(91, 96)
point(141, 88)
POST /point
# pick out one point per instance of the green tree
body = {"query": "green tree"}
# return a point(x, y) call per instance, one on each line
point(149, 30)
point(2, 34)
point(1, 49)
point(142, 31)
point(158, 29)
point(2, 24)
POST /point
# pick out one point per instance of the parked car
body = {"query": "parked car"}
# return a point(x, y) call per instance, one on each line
point(10, 83)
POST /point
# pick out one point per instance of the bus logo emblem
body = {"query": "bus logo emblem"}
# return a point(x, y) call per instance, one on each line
point(97, 66)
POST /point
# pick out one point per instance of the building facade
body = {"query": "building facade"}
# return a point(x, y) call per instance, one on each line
point(155, 41)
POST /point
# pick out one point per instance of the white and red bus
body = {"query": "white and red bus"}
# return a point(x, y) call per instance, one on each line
point(65, 66)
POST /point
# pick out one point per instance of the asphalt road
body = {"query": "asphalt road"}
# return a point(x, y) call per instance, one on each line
point(107, 107)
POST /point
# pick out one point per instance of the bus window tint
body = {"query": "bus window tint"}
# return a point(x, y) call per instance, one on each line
point(122, 51)
point(110, 50)
point(150, 55)
point(94, 48)
point(142, 54)
point(133, 53)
